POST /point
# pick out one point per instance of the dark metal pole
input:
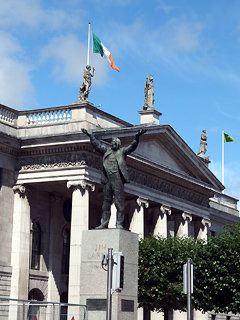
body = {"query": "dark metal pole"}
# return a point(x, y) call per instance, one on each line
point(109, 284)
point(189, 307)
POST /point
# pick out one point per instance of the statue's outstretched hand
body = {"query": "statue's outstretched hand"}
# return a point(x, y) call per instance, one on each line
point(86, 132)
point(141, 131)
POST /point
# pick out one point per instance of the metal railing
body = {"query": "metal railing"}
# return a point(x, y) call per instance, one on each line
point(17, 309)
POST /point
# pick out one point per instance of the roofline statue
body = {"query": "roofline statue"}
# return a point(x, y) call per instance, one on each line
point(149, 93)
point(85, 88)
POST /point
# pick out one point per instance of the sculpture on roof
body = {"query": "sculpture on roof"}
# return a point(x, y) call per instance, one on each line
point(203, 145)
point(87, 83)
point(149, 93)
point(114, 176)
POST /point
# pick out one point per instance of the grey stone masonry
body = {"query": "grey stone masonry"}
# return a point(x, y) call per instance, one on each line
point(94, 278)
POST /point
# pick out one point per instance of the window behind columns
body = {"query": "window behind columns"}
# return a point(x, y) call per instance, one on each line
point(64, 309)
point(34, 311)
point(66, 251)
point(1, 177)
point(36, 246)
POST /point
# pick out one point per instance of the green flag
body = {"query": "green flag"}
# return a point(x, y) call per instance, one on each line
point(228, 138)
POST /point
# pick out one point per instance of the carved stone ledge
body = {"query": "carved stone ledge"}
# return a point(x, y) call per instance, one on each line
point(187, 216)
point(206, 222)
point(19, 188)
point(166, 209)
point(80, 183)
point(142, 202)
point(22, 191)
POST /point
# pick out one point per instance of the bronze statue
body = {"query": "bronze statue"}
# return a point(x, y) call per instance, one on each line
point(87, 83)
point(114, 175)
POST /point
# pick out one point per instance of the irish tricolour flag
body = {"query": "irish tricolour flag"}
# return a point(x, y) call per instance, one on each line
point(98, 47)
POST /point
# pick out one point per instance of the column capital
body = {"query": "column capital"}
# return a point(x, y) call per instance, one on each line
point(187, 216)
point(142, 202)
point(84, 184)
point(166, 209)
point(21, 190)
point(206, 222)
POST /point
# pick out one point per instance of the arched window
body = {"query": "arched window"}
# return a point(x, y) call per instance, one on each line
point(66, 251)
point(36, 246)
point(34, 310)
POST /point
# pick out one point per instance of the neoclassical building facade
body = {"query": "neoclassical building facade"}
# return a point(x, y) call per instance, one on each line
point(50, 191)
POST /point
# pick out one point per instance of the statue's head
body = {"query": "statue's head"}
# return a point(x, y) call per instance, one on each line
point(151, 78)
point(116, 143)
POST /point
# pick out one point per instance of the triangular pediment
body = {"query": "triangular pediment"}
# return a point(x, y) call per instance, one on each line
point(156, 152)
point(163, 146)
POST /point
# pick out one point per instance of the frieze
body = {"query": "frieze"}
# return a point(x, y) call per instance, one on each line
point(59, 161)
point(8, 151)
point(168, 188)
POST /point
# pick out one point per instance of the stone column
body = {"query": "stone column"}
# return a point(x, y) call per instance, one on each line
point(181, 229)
point(200, 228)
point(198, 315)
point(181, 224)
point(79, 222)
point(137, 221)
point(160, 220)
point(137, 226)
point(20, 244)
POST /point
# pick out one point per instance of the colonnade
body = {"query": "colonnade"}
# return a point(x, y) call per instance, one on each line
point(79, 222)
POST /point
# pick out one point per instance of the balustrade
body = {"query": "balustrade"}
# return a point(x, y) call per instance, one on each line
point(7, 115)
point(49, 116)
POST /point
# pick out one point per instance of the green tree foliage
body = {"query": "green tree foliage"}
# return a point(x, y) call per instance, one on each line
point(217, 271)
point(161, 260)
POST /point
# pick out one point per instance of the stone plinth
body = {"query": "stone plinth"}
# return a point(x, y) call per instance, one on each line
point(94, 278)
point(149, 116)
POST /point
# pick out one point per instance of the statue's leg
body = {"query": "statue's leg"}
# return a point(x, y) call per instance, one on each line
point(118, 192)
point(106, 207)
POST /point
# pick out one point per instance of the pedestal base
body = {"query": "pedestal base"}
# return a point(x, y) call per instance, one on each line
point(94, 279)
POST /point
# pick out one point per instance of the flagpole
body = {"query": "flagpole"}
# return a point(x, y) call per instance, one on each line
point(88, 43)
point(223, 158)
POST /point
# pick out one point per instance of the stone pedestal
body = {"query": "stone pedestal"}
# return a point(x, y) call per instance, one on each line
point(93, 291)
point(149, 116)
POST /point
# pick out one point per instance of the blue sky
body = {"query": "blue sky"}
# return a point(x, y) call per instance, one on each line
point(192, 48)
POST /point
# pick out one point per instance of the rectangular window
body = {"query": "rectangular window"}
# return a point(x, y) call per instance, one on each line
point(36, 246)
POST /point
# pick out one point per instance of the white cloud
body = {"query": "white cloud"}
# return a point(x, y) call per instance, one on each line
point(69, 57)
point(166, 8)
point(31, 14)
point(17, 90)
point(187, 36)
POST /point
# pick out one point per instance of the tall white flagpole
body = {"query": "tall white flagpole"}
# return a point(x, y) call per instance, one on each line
point(223, 158)
point(88, 43)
